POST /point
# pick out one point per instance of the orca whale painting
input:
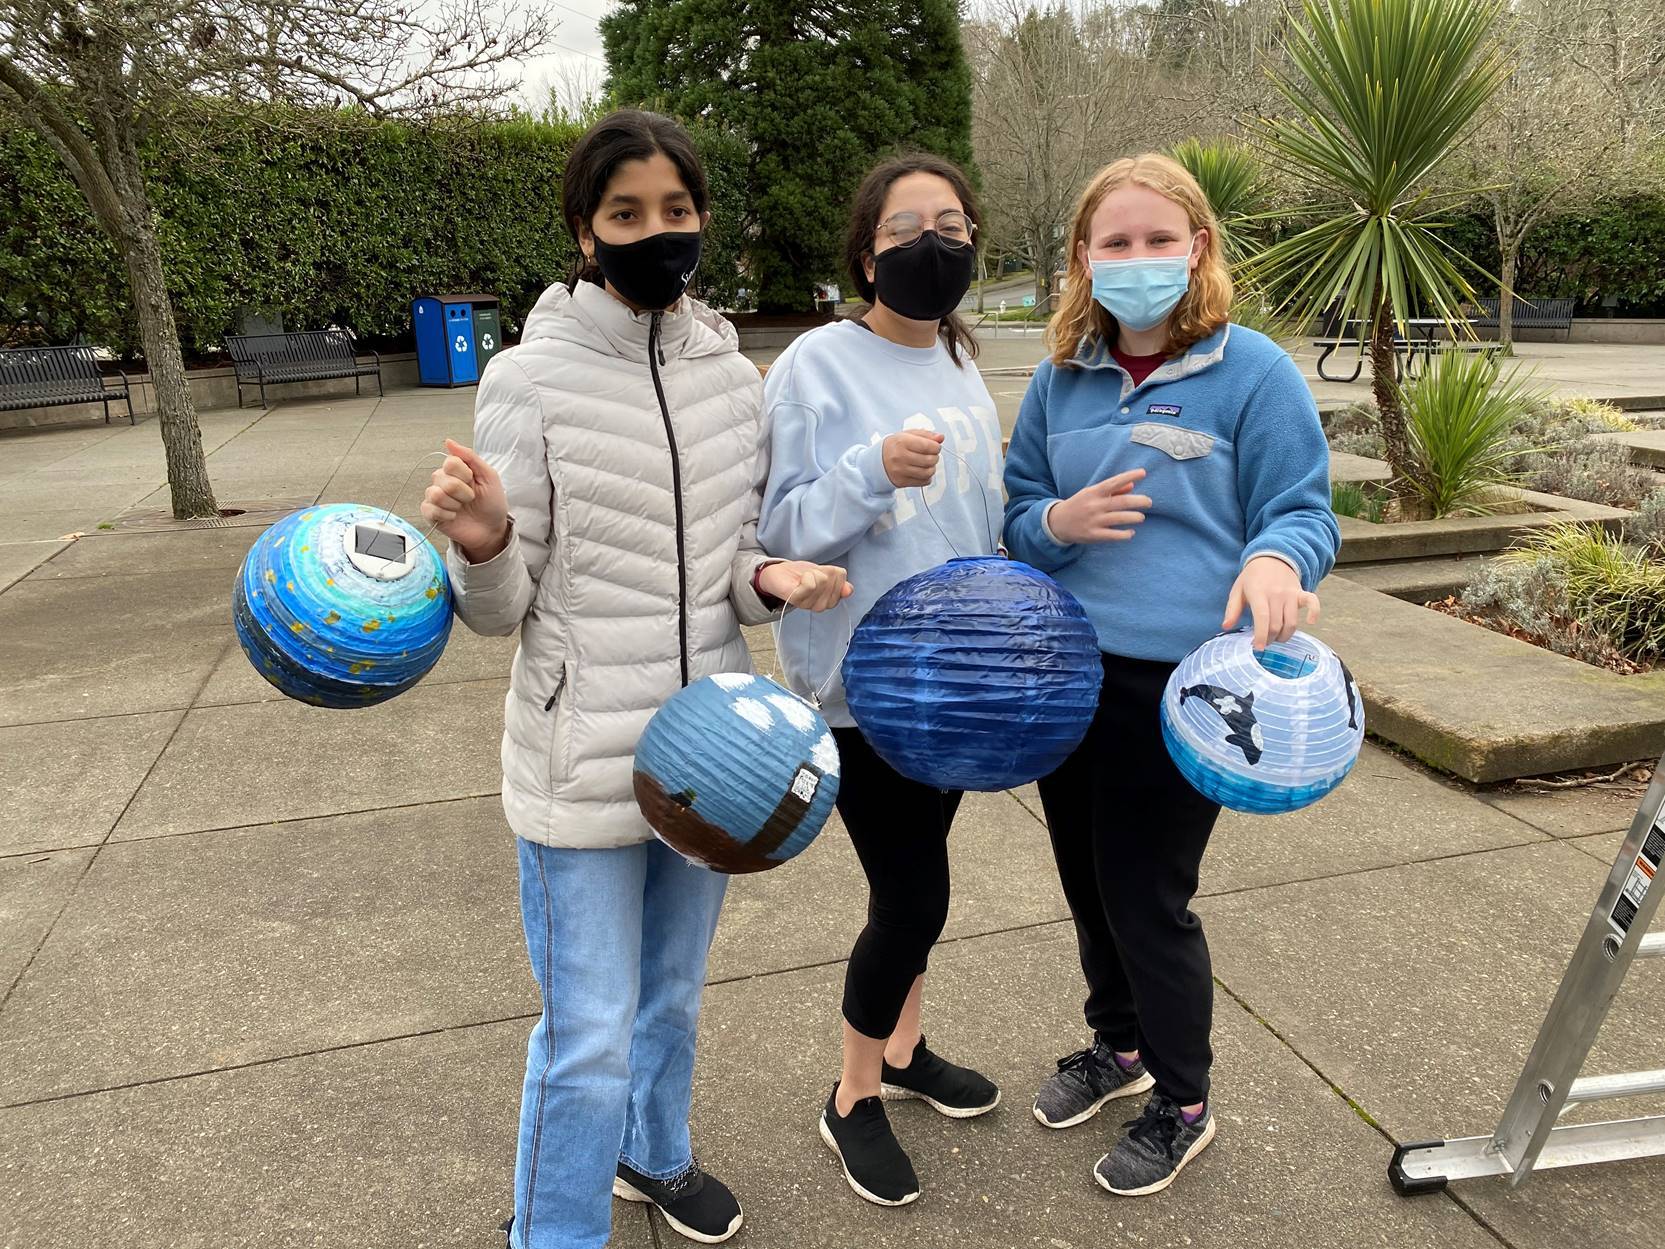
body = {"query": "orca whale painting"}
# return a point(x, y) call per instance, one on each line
point(1238, 711)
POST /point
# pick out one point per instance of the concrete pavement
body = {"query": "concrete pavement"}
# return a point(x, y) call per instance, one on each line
point(262, 981)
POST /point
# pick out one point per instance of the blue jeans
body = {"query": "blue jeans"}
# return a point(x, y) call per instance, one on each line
point(618, 940)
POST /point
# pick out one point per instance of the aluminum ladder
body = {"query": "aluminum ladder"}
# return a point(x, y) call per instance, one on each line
point(1528, 1137)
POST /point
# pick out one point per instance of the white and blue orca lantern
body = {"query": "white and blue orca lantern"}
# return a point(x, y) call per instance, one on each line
point(981, 673)
point(736, 772)
point(1265, 733)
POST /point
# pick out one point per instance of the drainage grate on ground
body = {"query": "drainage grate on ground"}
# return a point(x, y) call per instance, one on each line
point(261, 512)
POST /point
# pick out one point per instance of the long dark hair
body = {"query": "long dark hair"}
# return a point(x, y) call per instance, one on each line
point(624, 135)
point(864, 226)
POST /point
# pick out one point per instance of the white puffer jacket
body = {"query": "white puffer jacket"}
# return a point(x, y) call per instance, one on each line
point(630, 564)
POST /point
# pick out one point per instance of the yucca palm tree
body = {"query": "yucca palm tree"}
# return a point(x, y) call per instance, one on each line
point(1234, 181)
point(1380, 91)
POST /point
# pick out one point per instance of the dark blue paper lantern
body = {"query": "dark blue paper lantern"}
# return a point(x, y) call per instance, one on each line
point(981, 673)
point(1265, 733)
point(736, 773)
point(341, 606)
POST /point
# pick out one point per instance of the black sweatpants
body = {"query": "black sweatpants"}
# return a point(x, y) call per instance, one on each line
point(900, 831)
point(1128, 833)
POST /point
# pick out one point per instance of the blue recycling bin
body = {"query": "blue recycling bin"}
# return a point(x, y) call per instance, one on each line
point(455, 336)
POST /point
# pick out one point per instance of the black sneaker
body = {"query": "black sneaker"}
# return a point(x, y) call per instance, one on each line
point(1156, 1148)
point(958, 1092)
point(875, 1164)
point(1084, 1082)
point(696, 1204)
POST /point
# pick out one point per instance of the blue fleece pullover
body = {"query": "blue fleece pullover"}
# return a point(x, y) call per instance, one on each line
point(1236, 466)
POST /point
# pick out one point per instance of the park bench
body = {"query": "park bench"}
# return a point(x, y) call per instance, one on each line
point(1537, 314)
point(300, 356)
point(49, 377)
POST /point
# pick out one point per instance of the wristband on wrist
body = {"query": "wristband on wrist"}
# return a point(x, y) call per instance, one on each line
point(768, 600)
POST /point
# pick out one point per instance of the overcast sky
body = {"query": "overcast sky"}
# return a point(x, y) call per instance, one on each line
point(575, 52)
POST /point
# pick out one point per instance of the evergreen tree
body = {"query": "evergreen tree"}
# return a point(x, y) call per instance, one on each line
point(818, 90)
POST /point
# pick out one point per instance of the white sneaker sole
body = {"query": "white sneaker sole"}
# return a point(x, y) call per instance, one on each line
point(629, 1192)
point(1133, 1088)
point(896, 1093)
point(832, 1144)
point(1196, 1148)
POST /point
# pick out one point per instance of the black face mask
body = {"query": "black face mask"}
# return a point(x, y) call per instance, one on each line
point(653, 272)
point(924, 282)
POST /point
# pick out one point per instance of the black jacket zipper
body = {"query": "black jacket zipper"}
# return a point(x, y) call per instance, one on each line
point(656, 357)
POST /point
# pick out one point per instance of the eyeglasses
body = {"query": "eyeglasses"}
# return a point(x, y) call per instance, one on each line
point(904, 229)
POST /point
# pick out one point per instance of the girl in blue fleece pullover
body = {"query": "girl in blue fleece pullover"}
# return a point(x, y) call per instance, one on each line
point(860, 413)
point(1169, 469)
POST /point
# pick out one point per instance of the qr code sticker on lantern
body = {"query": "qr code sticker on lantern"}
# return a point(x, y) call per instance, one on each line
point(804, 785)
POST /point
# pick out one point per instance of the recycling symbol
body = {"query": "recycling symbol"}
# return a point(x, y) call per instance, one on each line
point(462, 345)
point(486, 342)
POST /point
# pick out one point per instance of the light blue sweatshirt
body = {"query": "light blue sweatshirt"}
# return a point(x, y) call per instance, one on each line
point(830, 401)
point(1236, 466)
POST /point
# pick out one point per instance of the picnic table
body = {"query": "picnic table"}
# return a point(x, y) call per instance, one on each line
point(1412, 347)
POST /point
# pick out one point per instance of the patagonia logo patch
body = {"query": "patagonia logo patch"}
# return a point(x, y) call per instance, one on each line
point(1163, 409)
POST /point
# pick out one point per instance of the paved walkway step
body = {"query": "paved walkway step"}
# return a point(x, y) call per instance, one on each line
point(1482, 705)
point(1417, 580)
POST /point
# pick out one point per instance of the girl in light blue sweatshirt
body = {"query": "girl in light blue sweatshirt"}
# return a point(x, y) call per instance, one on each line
point(860, 415)
point(1150, 388)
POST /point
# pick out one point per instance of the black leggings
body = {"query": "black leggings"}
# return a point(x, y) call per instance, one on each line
point(900, 830)
point(1128, 833)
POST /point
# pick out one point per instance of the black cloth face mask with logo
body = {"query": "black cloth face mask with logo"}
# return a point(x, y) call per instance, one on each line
point(926, 280)
point(653, 272)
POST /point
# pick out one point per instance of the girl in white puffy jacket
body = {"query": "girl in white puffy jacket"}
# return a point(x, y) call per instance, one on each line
point(607, 510)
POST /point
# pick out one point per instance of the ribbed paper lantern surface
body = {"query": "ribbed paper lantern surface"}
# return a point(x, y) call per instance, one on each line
point(736, 772)
point(981, 673)
point(1263, 734)
point(338, 607)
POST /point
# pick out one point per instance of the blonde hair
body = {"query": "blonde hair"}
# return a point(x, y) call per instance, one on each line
point(1206, 304)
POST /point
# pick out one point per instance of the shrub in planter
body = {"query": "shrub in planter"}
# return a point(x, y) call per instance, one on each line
point(1592, 470)
point(1648, 529)
point(1355, 430)
point(1601, 414)
point(1527, 597)
point(1531, 596)
point(1358, 500)
point(1584, 586)
point(1461, 415)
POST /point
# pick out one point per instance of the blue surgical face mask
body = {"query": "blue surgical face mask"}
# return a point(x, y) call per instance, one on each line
point(1139, 293)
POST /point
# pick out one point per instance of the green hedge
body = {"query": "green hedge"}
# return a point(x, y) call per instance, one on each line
point(332, 218)
point(1614, 250)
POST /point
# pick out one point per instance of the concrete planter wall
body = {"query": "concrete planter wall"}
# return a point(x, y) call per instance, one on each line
point(1617, 330)
point(1365, 543)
